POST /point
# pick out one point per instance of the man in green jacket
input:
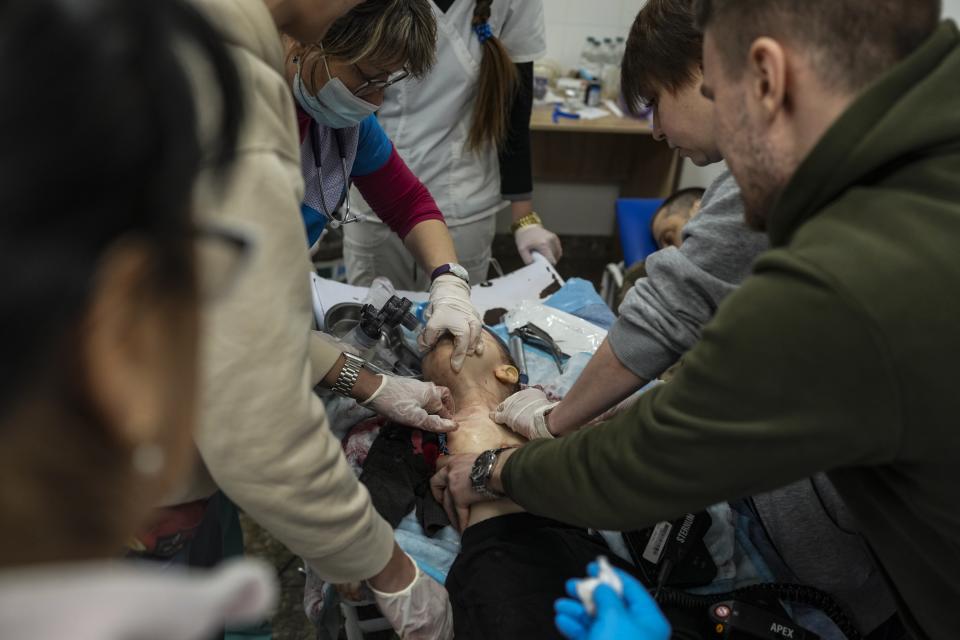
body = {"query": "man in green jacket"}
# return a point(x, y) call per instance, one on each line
point(840, 120)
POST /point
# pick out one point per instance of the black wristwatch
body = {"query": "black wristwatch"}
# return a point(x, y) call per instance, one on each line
point(480, 474)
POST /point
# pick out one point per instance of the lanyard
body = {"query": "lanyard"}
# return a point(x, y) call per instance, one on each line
point(335, 220)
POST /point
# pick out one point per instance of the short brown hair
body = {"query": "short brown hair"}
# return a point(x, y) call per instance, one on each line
point(851, 42)
point(681, 202)
point(664, 51)
point(381, 33)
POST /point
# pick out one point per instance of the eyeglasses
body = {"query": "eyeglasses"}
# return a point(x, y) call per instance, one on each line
point(371, 85)
point(221, 255)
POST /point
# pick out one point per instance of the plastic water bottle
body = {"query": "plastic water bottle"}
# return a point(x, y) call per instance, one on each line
point(583, 52)
point(611, 70)
point(590, 59)
point(586, 54)
point(597, 51)
point(609, 55)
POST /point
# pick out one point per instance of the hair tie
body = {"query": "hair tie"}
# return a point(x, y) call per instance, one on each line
point(483, 31)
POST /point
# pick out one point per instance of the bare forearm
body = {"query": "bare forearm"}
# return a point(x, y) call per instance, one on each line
point(431, 245)
point(521, 208)
point(397, 575)
point(603, 383)
point(366, 384)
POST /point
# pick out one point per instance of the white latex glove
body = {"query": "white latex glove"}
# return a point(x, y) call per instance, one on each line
point(421, 611)
point(525, 413)
point(411, 402)
point(450, 310)
point(536, 238)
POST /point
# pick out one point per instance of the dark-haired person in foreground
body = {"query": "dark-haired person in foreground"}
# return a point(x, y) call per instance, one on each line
point(102, 280)
point(839, 120)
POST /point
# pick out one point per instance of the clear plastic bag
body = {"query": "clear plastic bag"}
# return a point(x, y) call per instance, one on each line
point(571, 334)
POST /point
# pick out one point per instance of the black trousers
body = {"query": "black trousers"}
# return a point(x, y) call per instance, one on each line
point(510, 571)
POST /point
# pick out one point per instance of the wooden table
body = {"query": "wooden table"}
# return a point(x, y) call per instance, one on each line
point(607, 150)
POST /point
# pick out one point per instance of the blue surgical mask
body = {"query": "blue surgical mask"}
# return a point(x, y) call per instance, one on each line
point(334, 106)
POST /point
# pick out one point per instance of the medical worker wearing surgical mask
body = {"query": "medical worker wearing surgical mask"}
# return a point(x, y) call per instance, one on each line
point(464, 130)
point(339, 84)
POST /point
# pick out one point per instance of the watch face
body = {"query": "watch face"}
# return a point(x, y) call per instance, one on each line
point(478, 473)
point(460, 272)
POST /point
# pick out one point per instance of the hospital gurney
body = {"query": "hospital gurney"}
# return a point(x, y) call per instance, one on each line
point(435, 555)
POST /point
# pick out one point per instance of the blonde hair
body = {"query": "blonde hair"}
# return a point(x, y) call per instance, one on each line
point(382, 33)
point(497, 88)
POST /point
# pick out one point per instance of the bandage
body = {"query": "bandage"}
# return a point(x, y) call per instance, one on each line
point(587, 586)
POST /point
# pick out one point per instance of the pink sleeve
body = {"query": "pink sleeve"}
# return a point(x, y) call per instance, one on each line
point(397, 196)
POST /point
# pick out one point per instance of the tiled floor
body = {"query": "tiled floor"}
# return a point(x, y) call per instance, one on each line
point(290, 622)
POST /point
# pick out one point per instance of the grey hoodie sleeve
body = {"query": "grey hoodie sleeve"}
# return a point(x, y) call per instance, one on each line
point(663, 315)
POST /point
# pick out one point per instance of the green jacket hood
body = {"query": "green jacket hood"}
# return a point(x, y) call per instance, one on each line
point(912, 111)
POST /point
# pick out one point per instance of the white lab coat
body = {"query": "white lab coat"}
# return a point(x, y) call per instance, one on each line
point(429, 119)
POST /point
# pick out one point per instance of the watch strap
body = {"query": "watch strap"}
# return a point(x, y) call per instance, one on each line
point(452, 269)
point(349, 374)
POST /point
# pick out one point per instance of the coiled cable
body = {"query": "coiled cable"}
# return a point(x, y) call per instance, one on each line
point(793, 593)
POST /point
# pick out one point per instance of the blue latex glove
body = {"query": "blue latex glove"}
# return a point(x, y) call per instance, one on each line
point(635, 616)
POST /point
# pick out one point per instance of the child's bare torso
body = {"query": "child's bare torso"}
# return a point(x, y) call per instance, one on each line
point(478, 433)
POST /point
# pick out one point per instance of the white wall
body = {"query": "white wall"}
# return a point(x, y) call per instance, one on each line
point(570, 22)
point(951, 9)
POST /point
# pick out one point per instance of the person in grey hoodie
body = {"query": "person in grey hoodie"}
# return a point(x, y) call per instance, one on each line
point(664, 313)
point(808, 534)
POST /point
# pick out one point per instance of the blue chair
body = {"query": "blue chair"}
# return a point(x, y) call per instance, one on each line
point(634, 216)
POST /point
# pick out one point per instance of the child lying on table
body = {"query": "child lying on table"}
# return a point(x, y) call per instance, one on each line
point(512, 565)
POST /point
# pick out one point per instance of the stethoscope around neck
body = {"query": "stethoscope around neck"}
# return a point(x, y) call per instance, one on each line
point(346, 218)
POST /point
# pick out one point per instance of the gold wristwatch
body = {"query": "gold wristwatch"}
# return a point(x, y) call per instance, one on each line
point(526, 221)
